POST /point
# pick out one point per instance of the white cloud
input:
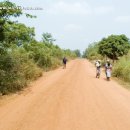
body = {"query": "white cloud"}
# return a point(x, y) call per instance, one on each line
point(123, 19)
point(77, 8)
point(102, 10)
point(72, 28)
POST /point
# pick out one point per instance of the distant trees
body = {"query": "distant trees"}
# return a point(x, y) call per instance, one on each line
point(114, 46)
point(77, 52)
point(92, 52)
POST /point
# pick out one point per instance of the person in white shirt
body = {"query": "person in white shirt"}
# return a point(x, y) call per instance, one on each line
point(108, 70)
point(98, 68)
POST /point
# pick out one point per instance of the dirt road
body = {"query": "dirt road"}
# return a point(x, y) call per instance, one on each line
point(68, 99)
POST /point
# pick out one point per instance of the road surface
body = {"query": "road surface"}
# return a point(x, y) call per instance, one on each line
point(68, 99)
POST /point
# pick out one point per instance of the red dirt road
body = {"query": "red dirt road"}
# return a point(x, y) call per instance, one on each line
point(69, 99)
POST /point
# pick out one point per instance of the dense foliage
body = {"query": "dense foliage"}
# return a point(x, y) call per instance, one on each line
point(114, 46)
point(22, 57)
point(122, 68)
point(92, 52)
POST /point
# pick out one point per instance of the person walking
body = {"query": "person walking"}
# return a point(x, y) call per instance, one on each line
point(108, 70)
point(98, 68)
point(64, 62)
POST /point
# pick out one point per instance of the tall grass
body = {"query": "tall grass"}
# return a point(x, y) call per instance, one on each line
point(122, 68)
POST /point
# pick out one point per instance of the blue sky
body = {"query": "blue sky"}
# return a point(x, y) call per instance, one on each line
point(77, 23)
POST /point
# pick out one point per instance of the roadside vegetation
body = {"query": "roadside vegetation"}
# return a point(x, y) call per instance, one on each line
point(22, 57)
point(117, 49)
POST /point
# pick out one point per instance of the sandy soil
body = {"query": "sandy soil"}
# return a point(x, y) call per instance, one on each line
point(68, 99)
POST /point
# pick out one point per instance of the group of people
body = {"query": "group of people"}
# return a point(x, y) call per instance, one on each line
point(108, 69)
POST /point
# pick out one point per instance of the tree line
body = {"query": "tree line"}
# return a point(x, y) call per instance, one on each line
point(22, 57)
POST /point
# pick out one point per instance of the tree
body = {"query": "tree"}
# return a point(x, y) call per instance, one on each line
point(8, 10)
point(18, 33)
point(47, 38)
point(77, 52)
point(92, 52)
point(114, 46)
point(12, 32)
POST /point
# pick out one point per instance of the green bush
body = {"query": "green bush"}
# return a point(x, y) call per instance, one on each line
point(16, 69)
point(122, 69)
point(47, 56)
point(92, 53)
point(56, 63)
